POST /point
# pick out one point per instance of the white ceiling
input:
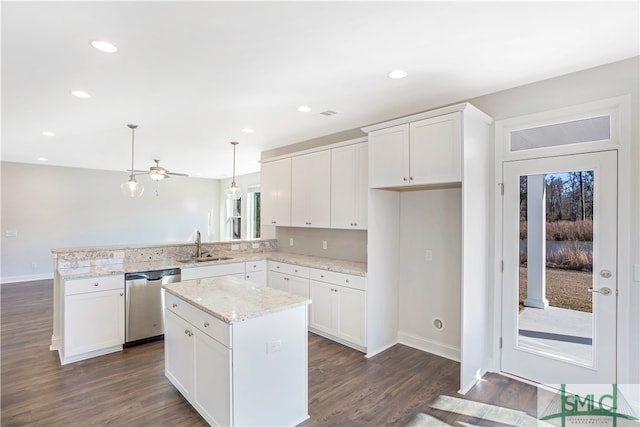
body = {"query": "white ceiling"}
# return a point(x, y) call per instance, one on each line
point(193, 74)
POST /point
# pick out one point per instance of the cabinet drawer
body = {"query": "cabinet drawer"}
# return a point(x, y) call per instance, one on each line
point(215, 328)
point(255, 266)
point(291, 269)
point(342, 279)
point(93, 284)
point(178, 306)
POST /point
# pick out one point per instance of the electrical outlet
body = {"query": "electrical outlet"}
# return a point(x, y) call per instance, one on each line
point(274, 346)
point(11, 233)
point(324, 244)
point(290, 241)
point(428, 255)
point(34, 264)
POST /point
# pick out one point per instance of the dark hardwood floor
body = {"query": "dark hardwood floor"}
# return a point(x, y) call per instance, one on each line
point(129, 388)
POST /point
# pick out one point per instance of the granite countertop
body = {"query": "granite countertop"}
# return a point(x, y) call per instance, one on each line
point(233, 300)
point(340, 266)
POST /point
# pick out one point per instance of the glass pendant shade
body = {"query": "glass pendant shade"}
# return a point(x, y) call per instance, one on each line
point(234, 192)
point(132, 188)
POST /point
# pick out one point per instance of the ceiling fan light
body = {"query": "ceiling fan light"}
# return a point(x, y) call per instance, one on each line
point(132, 188)
point(156, 176)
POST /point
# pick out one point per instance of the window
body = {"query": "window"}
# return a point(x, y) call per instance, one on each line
point(253, 214)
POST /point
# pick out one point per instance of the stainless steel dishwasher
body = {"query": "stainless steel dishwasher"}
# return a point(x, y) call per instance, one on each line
point(144, 310)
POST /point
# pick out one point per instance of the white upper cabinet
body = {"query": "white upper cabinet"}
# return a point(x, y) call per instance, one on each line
point(311, 190)
point(389, 157)
point(349, 189)
point(275, 189)
point(422, 152)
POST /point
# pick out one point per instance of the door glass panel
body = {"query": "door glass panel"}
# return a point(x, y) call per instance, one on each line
point(575, 132)
point(555, 313)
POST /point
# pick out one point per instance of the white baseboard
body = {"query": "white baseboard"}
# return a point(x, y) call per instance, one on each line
point(429, 346)
point(371, 353)
point(25, 278)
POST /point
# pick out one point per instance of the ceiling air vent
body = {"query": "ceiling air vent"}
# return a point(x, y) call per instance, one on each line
point(328, 113)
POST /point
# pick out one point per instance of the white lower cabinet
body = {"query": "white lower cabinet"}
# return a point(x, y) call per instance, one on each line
point(234, 269)
point(338, 309)
point(93, 317)
point(189, 350)
point(256, 272)
point(248, 373)
point(289, 278)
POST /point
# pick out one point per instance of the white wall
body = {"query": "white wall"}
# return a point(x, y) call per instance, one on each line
point(52, 206)
point(430, 220)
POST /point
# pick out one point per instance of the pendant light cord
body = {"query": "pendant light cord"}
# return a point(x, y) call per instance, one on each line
point(133, 129)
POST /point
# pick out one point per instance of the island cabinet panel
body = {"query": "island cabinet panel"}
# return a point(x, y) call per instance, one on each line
point(424, 152)
point(275, 192)
point(93, 317)
point(270, 369)
point(311, 190)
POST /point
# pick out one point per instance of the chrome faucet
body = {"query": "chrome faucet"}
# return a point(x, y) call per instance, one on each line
point(198, 244)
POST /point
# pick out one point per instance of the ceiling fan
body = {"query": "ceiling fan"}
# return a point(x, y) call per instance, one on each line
point(157, 172)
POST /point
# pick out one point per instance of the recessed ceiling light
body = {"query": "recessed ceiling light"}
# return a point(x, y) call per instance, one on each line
point(80, 94)
point(47, 133)
point(397, 74)
point(304, 109)
point(43, 159)
point(247, 130)
point(103, 46)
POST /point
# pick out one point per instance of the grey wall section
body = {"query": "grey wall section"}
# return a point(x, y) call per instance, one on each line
point(350, 245)
point(50, 206)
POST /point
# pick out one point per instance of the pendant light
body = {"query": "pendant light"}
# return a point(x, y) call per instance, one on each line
point(132, 188)
point(233, 192)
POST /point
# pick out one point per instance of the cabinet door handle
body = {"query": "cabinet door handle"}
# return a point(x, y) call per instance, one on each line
point(206, 324)
point(96, 284)
point(174, 305)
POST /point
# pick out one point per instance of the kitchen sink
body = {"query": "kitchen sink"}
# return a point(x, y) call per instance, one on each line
point(205, 259)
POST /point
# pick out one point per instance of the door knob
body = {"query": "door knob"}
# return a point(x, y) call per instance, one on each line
point(605, 273)
point(603, 291)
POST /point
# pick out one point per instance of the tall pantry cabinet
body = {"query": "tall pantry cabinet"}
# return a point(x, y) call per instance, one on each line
point(444, 151)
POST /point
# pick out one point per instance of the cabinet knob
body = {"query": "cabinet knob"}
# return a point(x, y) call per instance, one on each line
point(206, 324)
point(273, 222)
point(355, 224)
point(404, 178)
point(410, 178)
point(247, 276)
point(322, 275)
point(96, 284)
point(174, 305)
point(347, 280)
point(121, 294)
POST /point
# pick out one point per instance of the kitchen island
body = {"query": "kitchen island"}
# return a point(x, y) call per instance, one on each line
point(238, 352)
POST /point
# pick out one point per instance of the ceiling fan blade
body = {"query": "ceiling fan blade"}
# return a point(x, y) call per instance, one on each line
point(177, 174)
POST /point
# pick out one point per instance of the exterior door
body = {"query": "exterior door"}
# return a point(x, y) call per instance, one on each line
point(560, 264)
